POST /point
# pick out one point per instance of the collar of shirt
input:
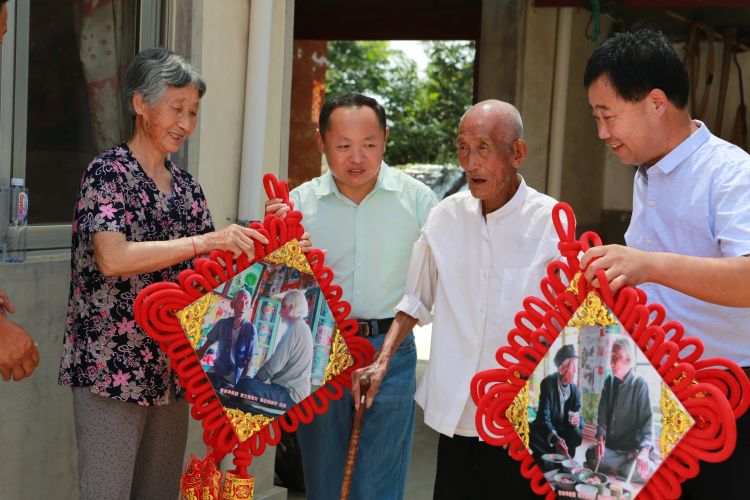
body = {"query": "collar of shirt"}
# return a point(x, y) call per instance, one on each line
point(369, 244)
point(328, 187)
point(628, 378)
point(683, 150)
point(511, 206)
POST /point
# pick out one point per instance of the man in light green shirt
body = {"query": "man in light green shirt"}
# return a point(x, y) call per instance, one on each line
point(368, 244)
point(367, 217)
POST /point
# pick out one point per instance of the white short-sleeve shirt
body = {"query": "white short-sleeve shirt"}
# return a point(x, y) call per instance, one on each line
point(476, 273)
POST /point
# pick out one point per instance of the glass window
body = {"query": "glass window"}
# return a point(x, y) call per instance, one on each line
point(61, 68)
point(76, 59)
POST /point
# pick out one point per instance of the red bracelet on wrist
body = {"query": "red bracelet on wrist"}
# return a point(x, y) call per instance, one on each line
point(195, 251)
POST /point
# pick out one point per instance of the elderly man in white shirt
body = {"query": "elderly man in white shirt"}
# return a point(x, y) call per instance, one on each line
point(478, 255)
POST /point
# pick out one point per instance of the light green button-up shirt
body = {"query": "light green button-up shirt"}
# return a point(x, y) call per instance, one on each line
point(369, 245)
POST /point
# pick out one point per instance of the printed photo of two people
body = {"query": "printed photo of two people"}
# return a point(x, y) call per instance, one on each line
point(595, 415)
point(266, 339)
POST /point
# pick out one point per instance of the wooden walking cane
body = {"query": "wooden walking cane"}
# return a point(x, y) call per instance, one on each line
point(351, 455)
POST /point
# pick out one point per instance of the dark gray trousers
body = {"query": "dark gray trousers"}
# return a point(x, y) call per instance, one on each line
point(127, 451)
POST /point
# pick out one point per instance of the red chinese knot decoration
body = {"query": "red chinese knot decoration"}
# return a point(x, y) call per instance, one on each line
point(156, 310)
point(713, 391)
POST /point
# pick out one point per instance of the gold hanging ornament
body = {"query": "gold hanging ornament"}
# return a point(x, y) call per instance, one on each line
point(592, 311)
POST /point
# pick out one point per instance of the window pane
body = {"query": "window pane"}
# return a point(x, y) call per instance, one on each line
point(78, 52)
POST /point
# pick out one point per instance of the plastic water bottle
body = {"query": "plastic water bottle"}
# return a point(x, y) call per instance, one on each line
point(15, 235)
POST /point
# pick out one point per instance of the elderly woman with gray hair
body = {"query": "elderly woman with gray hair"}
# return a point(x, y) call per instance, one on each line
point(138, 220)
point(284, 379)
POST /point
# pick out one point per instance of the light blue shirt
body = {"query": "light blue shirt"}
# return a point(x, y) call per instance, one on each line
point(696, 201)
point(368, 245)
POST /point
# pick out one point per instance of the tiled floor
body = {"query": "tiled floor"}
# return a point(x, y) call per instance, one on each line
point(424, 453)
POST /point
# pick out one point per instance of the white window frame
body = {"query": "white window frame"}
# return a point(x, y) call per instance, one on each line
point(14, 80)
point(7, 52)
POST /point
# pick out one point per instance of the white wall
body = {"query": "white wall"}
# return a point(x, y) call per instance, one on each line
point(39, 456)
point(222, 55)
point(36, 415)
point(279, 94)
point(222, 59)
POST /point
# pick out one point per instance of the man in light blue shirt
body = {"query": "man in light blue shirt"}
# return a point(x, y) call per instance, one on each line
point(689, 237)
point(367, 217)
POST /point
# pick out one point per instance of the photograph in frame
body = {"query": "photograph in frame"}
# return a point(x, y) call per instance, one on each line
point(266, 338)
point(595, 384)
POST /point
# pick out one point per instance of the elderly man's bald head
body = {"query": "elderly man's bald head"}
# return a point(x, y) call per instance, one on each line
point(504, 117)
point(490, 150)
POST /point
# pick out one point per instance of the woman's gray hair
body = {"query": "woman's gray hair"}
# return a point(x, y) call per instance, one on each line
point(153, 70)
point(296, 299)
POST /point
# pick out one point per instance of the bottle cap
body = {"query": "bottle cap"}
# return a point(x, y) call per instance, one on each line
point(16, 182)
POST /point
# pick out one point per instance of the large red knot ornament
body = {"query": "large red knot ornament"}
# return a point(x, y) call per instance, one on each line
point(714, 391)
point(155, 311)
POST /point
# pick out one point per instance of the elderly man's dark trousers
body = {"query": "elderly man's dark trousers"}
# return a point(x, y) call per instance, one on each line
point(730, 474)
point(468, 468)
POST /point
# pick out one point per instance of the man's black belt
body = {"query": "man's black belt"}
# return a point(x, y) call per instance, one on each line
point(373, 327)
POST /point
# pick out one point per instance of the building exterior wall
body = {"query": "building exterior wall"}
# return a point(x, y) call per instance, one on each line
point(535, 98)
point(517, 64)
point(221, 56)
point(595, 183)
point(37, 430)
point(590, 183)
point(499, 49)
point(583, 172)
point(276, 155)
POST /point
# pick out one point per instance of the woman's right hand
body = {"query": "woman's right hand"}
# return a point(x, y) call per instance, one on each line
point(234, 238)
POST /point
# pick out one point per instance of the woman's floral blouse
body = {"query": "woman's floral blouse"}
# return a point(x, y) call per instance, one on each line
point(103, 347)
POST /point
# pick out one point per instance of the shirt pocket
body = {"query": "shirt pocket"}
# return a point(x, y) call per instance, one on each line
point(517, 283)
